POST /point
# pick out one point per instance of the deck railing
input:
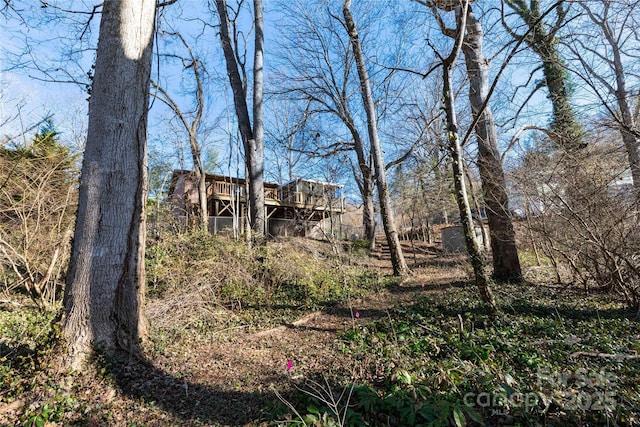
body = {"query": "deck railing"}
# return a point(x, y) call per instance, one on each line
point(225, 188)
point(271, 194)
point(311, 200)
point(221, 188)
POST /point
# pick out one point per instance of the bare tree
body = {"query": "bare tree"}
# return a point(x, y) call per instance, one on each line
point(319, 66)
point(289, 137)
point(191, 121)
point(388, 220)
point(433, 183)
point(475, 255)
point(602, 55)
point(506, 265)
point(252, 136)
point(106, 278)
point(580, 220)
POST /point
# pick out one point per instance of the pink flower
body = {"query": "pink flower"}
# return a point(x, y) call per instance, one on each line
point(357, 314)
point(422, 285)
point(289, 364)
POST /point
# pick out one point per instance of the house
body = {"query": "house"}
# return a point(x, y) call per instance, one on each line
point(300, 207)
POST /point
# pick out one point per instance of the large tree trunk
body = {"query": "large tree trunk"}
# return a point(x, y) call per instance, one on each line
point(632, 145)
point(253, 150)
point(476, 257)
point(196, 153)
point(105, 282)
point(397, 258)
point(506, 265)
point(368, 211)
point(629, 138)
point(257, 157)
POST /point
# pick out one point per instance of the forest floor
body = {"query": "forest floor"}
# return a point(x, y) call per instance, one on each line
point(230, 377)
point(247, 366)
point(243, 374)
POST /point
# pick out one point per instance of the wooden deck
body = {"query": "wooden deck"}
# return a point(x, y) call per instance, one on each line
point(274, 196)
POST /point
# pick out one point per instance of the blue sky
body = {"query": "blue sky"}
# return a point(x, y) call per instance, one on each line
point(67, 102)
point(50, 43)
point(22, 87)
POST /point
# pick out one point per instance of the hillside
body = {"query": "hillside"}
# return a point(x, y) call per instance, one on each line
point(384, 351)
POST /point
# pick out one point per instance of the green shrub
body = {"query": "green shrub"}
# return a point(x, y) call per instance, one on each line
point(195, 278)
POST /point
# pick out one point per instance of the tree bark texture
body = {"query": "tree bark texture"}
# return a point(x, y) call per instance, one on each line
point(364, 179)
point(196, 153)
point(632, 145)
point(397, 258)
point(369, 211)
point(506, 265)
point(257, 156)
point(476, 257)
point(365, 184)
point(201, 179)
point(254, 154)
point(105, 283)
